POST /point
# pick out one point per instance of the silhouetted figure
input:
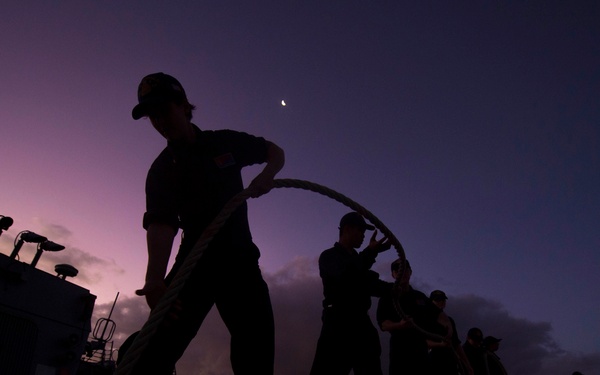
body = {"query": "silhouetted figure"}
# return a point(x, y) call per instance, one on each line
point(187, 186)
point(474, 351)
point(447, 357)
point(348, 339)
point(491, 345)
point(408, 345)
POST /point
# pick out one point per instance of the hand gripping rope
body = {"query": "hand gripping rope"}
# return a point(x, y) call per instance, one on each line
point(159, 312)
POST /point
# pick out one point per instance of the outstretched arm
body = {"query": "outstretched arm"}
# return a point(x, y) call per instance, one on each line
point(263, 182)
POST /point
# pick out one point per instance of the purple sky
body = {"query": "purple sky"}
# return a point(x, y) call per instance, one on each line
point(470, 130)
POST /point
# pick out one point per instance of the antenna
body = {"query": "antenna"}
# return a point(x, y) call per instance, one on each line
point(107, 326)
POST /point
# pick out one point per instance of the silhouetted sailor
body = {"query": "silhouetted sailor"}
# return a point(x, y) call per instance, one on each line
point(187, 186)
point(348, 339)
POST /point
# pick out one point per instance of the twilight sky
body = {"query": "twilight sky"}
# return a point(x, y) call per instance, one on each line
point(470, 129)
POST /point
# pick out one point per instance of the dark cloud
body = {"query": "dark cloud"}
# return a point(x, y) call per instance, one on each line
point(527, 347)
point(524, 343)
point(93, 269)
point(567, 363)
point(209, 350)
point(296, 293)
point(56, 232)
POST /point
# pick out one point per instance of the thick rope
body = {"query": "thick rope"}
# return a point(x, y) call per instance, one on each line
point(306, 185)
point(323, 190)
point(158, 313)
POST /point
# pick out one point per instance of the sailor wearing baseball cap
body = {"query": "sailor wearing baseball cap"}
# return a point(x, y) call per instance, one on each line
point(187, 185)
point(348, 339)
point(489, 340)
point(437, 295)
point(491, 345)
point(355, 219)
point(156, 89)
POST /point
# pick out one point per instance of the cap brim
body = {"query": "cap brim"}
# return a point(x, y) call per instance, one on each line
point(142, 108)
point(369, 227)
point(139, 111)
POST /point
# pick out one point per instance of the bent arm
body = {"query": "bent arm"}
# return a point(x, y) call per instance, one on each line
point(263, 182)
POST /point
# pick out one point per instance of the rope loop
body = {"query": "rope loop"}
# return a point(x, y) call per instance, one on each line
point(160, 311)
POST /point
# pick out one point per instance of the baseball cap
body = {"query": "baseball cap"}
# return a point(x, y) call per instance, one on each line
point(437, 295)
point(154, 89)
point(355, 219)
point(490, 340)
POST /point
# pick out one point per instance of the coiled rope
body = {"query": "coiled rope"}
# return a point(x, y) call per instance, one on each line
point(158, 313)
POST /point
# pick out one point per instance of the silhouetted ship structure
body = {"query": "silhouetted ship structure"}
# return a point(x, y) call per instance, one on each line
point(45, 320)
